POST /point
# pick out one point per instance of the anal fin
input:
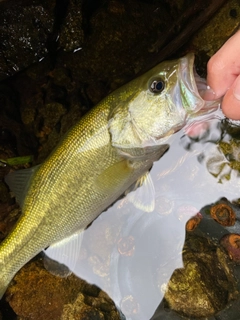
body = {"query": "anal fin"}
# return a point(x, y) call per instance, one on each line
point(65, 254)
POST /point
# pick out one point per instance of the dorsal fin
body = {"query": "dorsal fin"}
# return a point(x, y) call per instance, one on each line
point(19, 181)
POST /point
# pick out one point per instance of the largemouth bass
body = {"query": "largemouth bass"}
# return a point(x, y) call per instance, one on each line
point(102, 156)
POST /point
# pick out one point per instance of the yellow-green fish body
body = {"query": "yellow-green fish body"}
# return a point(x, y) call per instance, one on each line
point(98, 160)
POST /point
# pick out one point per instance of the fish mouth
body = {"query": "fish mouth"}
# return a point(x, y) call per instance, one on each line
point(195, 86)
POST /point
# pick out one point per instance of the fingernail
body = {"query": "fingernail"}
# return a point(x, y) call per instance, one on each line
point(209, 94)
point(236, 89)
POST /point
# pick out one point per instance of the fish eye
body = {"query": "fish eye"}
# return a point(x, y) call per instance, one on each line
point(157, 85)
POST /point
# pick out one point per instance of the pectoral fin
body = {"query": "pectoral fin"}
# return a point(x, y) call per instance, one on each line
point(107, 180)
point(143, 196)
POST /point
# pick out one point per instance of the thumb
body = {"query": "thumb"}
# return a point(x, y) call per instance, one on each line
point(224, 67)
point(231, 101)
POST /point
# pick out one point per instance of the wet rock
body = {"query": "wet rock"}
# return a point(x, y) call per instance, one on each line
point(71, 35)
point(193, 222)
point(117, 30)
point(49, 105)
point(225, 160)
point(13, 140)
point(51, 113)
point(24, 30)
point(231, 243)
point(223, 214)
point(37, 294)
point(91, 308)
point(9, 210)
point(201, 288)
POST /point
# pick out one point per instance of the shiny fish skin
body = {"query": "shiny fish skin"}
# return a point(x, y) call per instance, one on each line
point(101, 156)
point(67, 183)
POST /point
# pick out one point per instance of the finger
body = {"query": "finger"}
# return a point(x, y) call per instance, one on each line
point(224, 67)
point(231, 101)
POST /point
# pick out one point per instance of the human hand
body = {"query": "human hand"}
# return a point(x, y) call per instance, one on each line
point(223, 77)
